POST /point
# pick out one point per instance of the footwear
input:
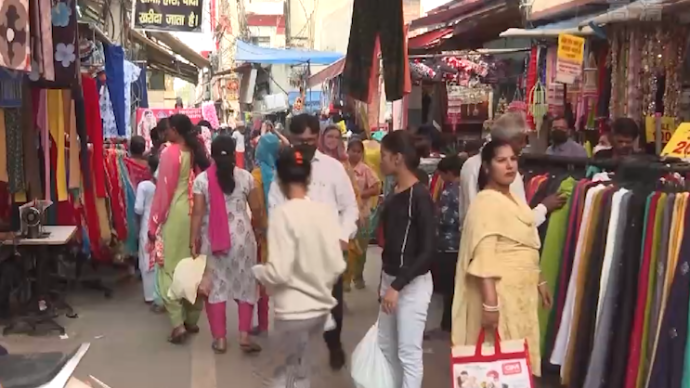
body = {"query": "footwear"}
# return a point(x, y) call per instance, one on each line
point(191, 329)
point(337, 359)
point(250, 348)
point(220, 346)
point(178, 336)
point(157, 309)
point(360, 285)
point(256, 331)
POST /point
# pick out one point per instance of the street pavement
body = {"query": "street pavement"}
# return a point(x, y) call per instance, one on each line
point(129, 347)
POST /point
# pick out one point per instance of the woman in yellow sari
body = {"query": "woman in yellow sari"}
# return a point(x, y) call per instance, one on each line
point(498, 282)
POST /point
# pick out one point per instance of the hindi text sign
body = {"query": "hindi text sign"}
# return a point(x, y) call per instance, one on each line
point(570, 55)
point(168, 15)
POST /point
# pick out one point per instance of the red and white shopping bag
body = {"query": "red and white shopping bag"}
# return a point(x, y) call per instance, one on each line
point(505, 364)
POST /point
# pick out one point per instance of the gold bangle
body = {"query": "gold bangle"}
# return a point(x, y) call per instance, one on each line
point(542, 283)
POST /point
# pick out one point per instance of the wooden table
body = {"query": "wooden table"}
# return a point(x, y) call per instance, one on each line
point(39, 249)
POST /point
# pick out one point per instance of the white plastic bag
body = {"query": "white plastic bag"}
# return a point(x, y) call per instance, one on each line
point(370, 368)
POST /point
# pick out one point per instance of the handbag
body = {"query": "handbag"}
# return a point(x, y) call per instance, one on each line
point(505, 364)
point(370, 368)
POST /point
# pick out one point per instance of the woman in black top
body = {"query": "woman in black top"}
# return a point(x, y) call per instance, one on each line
point(408, 225)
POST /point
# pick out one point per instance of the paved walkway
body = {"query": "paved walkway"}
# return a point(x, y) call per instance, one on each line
point(129, 348)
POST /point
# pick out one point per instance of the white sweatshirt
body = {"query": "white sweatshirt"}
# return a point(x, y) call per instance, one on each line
point(304, 259)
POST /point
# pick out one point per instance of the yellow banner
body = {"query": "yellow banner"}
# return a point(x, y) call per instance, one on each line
point(679, 145)
point(571, 48)
point(668, 127)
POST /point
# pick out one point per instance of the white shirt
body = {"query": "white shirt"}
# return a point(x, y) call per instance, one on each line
point(560, 348)
point(239, 141)
point(142, 204)
point(304, 259)
point(469, 189)
point(330, 185)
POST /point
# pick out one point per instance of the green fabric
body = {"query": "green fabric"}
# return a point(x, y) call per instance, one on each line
point(656, 239)
point(592, 170)
point(175, 233)
point(552, 251)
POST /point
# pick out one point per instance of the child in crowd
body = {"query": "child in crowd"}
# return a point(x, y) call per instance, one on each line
point(142, 207)
point(304, 262)
point(448, 242)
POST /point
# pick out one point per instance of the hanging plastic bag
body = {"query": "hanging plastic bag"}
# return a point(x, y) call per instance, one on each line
point(370, 368)
point(503, 364)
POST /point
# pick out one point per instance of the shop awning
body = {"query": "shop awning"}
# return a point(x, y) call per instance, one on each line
point(246, 52)
point(448, 14)
point(160, 58)
point(330, 72)
point(645, 11)
point(180, 49)
point(428, 38)
point(571, 26)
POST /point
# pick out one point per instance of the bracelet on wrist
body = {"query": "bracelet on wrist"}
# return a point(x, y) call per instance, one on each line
point(490, 309)
point(542, 283)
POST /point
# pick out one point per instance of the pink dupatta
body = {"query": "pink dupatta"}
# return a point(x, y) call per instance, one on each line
point(218, 228)
point(168, 176)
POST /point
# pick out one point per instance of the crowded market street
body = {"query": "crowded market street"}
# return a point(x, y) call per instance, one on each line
point(127, 350)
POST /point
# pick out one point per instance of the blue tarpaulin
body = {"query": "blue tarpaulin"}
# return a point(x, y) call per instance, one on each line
point(246, 52)
point(312, 103)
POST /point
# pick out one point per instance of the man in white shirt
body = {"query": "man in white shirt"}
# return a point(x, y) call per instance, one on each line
point(331, 185)
point(510, 127)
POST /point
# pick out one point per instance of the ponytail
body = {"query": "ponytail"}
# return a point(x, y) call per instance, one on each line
point(223, 154)
point(183, 126)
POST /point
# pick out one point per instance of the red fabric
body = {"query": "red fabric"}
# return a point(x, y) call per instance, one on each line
point(64, 210)
point(94, 129)
point(643, 290)
point(532, 75)
point(5, 202)
point(239, 159)
point(116, 196)
point(137, 172)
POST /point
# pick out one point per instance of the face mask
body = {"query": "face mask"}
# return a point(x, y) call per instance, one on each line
point(559, 137)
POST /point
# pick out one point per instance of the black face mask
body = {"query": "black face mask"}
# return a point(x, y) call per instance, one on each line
point(559, 137)
point(307, 150)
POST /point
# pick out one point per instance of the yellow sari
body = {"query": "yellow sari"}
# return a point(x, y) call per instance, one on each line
point(499, 241)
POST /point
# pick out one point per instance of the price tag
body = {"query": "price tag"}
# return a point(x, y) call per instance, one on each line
point(679, 145)
point(668, 126)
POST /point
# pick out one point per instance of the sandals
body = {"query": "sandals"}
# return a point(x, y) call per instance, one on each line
point(219, 346)
point(192, 329)
point(178, 336)
point(250, 348)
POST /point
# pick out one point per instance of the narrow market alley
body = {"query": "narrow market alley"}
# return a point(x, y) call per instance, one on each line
point(129, 348)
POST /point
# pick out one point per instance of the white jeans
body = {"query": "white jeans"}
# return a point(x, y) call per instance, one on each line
point(401, 333)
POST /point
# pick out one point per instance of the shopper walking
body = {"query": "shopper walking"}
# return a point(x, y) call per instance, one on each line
point(169, 224)
point(369, 188)
point(498, 283)
point(142, 207)
point(264, 174)
point(222, 229)
point(329, 185)
point(408, 225)
point(304, 262)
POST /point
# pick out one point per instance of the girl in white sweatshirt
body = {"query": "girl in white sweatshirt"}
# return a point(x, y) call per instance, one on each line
point(304, 262)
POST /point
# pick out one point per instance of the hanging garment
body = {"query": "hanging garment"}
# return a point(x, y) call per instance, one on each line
point(11, 89)
point(116, 195)
point(94, 130)
point(619, 343)
point(669, 357)
point(550, 261)
point(609, 284)
point(3, 148)
point(30, 141)
point(80, 125)
point(107, 114)
point(15, 150)
point(372, 20)
point(140, 90)
point(42, 64)
point(14, 16)
point(129, 194)
point(57, 132)
point(115, 81)
point(584, 334)
point(73, 150)
point(131, 75)
point(65, 46)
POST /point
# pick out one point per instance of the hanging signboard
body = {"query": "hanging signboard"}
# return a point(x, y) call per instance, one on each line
point(668, 127)
point(570, 55)
point(168, 15)
point(679, 145)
